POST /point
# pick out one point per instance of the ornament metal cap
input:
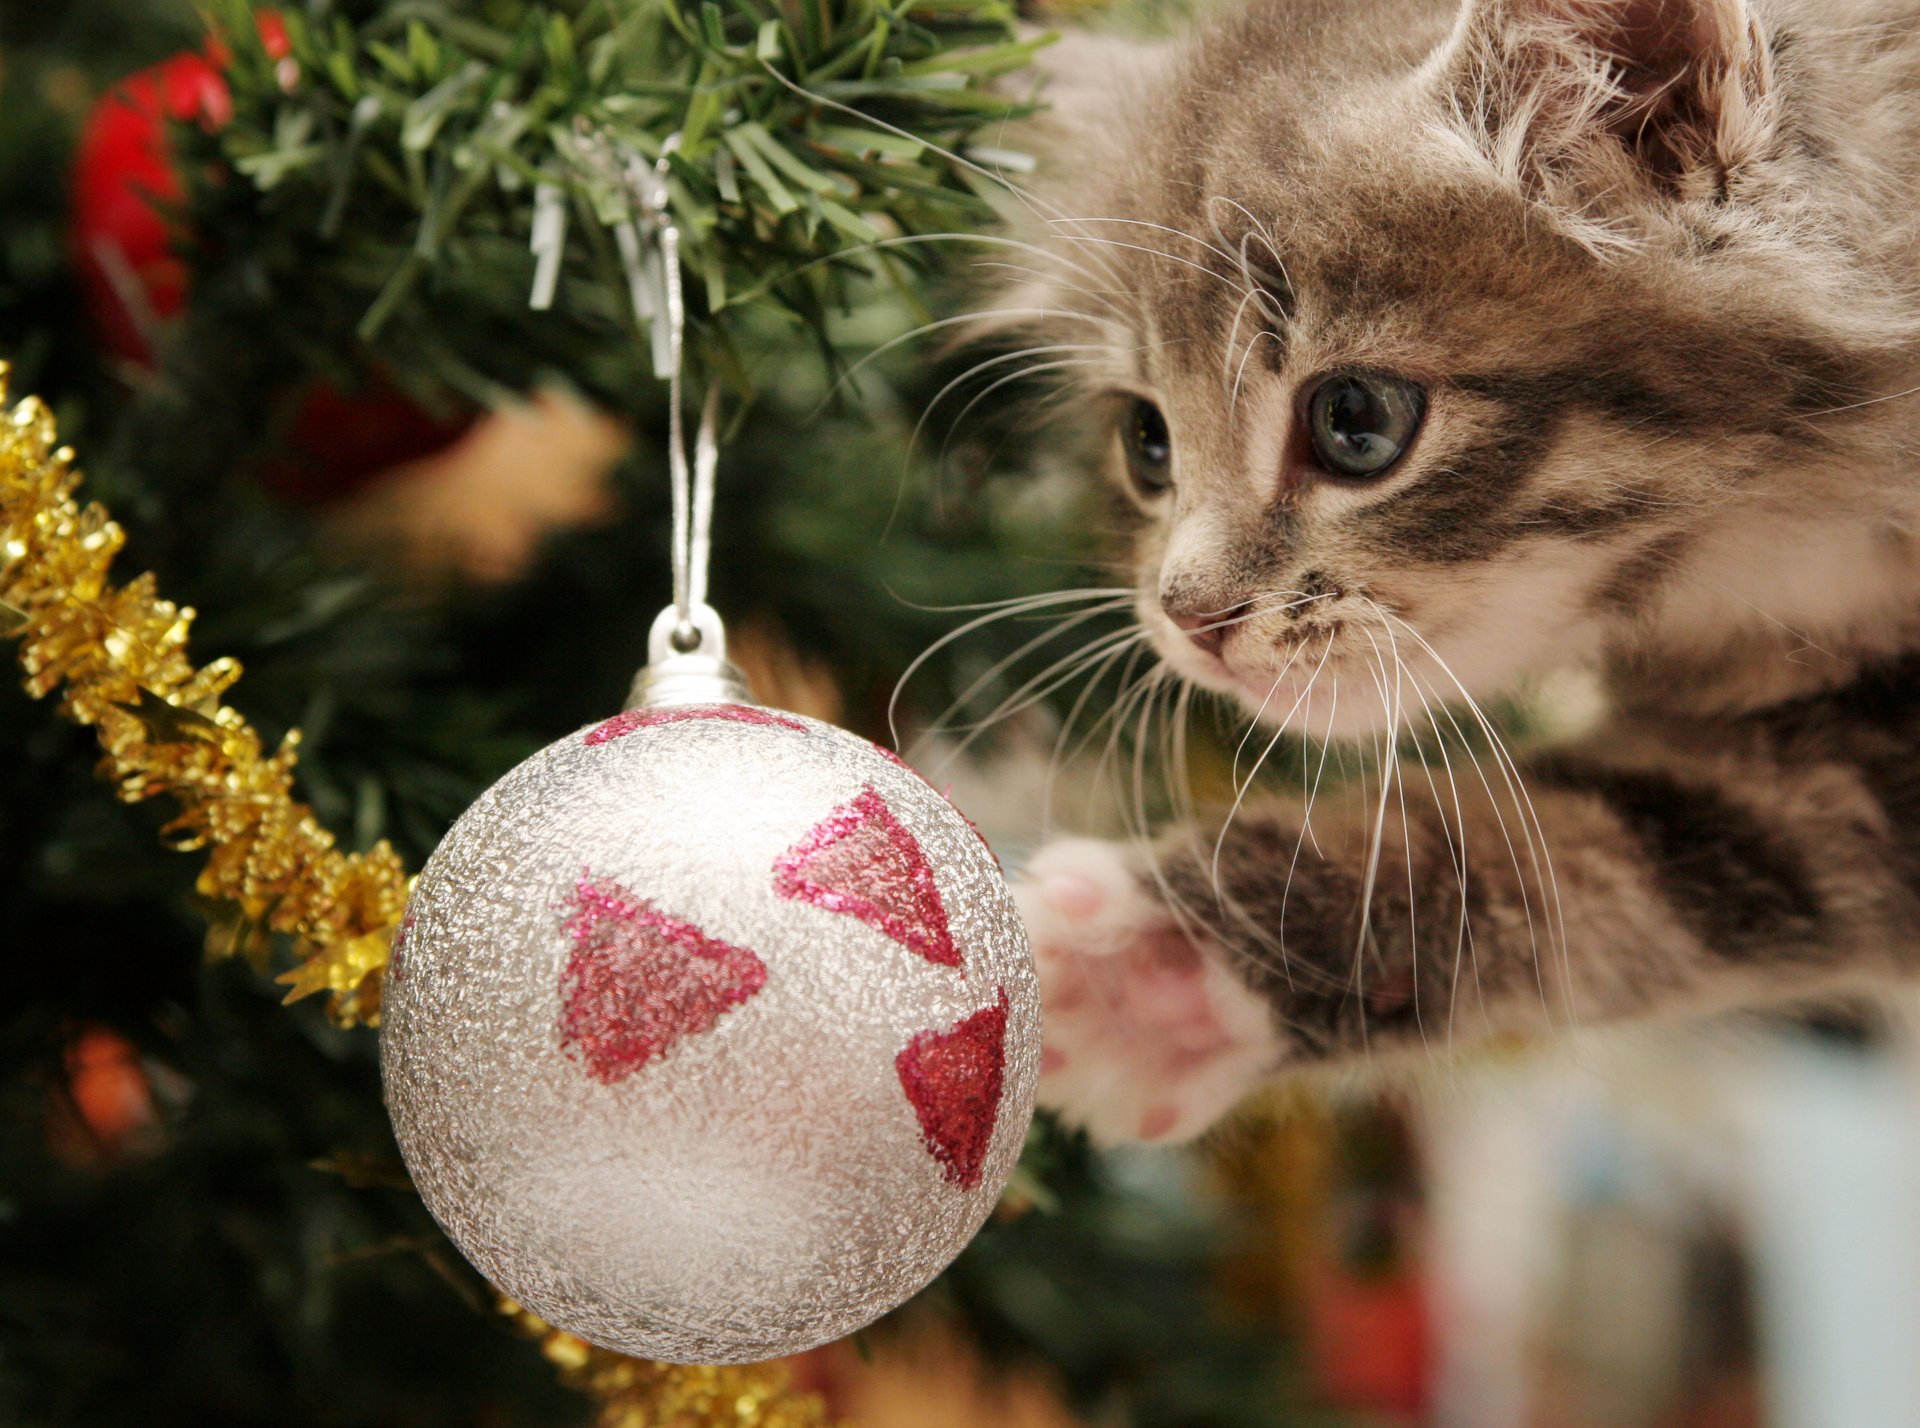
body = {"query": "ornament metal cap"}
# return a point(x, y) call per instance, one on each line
point(687, 663)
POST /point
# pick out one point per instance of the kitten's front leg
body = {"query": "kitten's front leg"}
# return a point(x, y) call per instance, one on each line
point(1174, 980)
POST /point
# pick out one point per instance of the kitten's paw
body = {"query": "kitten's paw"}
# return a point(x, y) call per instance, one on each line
point(1148, 1035)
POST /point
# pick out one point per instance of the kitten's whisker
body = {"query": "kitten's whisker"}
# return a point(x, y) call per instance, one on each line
point(1176, 755)
point(1240, 373)
point(1115, 712)
point(992, 240)
point(1233, 333)
point(987, 391)
point(928, 327)
point(1246, 919)
point(1220, 278)
point(1393, 698)
point(1506, 836)
point(1136, 692)
point(1279, 730)
point(1031, 201)
point(1269, 305)
point(1191, 922)
point(1056, 675)
point(1093, 682)
point(1002, 359)
point(1024, 602)
point(1025, 373)
point(1457, 854)
point(1376, 838)
point(1254, 609)
point(1056, 628)
point(1108, 765)
point(1255, 229)
point(1242, 787)
point(1312, 794)
point(1857, 406)
point(1142, 822)
point(1233, 774)
point(1219, 253)
point(996, 610)
point(1531, 823)
point(1107, 298)
point(1138, 822)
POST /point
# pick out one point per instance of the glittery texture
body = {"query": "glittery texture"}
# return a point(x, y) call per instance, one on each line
point(862, 861)
point(639, 980)
point(976, 831)
point(621, 725)
point(953, 1078)
point(766, 1185)
point(947, 793)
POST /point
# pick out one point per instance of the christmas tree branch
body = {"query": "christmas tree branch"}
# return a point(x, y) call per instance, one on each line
point(425, 144)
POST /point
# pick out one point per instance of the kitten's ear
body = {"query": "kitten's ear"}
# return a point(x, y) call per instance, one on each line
point(1576, 97)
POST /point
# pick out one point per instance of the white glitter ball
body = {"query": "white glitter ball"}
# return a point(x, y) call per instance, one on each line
point(711, 1033)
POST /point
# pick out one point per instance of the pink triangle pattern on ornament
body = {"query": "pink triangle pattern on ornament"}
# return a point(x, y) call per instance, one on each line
point(638, 981)
point(947, 793)
point(621, 725)
point(953, 1081)
point(863, 862)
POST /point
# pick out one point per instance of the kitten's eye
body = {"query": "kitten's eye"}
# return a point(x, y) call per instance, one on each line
point(1149, 448)
point(1361, 423)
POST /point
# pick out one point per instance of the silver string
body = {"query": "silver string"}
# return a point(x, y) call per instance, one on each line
point(692, 488)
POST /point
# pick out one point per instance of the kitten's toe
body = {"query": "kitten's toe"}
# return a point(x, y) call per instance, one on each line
point(1148, 1035)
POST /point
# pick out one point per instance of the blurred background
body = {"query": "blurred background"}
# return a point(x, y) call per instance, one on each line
point(437, 550)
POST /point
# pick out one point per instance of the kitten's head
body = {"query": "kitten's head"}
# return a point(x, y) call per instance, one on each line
point(1460, 337)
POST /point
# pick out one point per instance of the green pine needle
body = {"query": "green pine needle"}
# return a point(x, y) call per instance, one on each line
point(809, 130)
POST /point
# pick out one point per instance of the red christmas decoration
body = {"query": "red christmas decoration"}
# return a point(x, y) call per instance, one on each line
point(952, 1079)
point(125, 181)
point(638, 980)
point(861, 861)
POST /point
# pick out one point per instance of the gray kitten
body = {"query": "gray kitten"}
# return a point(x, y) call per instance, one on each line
point(1450, 348)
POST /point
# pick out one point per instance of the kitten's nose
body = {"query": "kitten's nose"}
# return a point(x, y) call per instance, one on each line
point(1207, 628)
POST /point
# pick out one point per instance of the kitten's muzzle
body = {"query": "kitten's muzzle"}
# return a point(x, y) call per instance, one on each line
point(1304, 638)
point(1207, 629)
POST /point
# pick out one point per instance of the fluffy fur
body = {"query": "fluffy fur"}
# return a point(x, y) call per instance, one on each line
point(1654, 261)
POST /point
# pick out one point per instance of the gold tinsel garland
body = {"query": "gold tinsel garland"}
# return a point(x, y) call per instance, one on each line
point(117, 655)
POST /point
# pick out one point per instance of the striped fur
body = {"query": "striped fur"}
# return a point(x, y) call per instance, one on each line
point(1655, 261)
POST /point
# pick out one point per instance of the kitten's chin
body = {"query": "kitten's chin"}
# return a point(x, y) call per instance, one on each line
point(1323, 705)
point(1317, 699)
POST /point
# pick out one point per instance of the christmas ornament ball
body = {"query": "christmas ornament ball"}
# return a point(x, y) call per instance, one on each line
point(711, 1033)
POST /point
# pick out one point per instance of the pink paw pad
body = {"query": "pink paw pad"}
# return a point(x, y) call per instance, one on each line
point(1073, 894)
point(1149, 1035)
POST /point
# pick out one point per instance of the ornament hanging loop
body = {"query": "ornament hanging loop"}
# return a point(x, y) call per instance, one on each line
point(687, 647)
point(697, 675)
